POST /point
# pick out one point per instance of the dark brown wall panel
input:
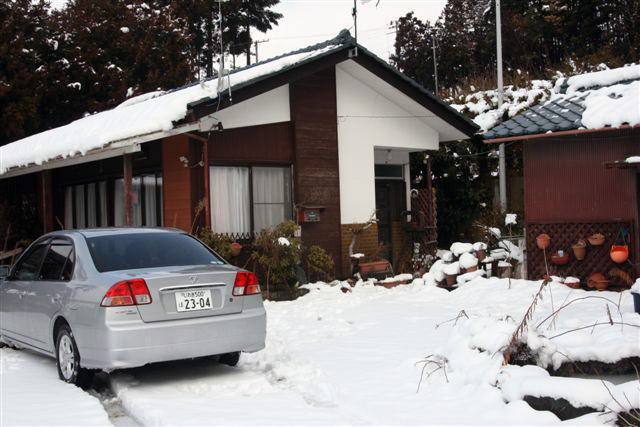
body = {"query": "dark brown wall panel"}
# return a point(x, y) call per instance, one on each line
point(315, 130)
point(178, 195)
point(566, 180)
point(271, 143)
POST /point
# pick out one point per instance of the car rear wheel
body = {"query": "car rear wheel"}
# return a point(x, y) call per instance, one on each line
point(68, 359)
point(230, 359)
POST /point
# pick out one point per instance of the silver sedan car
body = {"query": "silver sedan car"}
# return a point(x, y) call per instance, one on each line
point(121, 298)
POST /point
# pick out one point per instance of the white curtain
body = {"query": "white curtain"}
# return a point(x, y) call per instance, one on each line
point(150, 215)
point(230, 211)
point(80, 216)
point(271, 196)
point(68, 208)
point(92, 220)
point(118, 202)
point(104, 220)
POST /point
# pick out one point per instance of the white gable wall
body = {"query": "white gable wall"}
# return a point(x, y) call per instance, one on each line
point(367, 120)
point(269, 107)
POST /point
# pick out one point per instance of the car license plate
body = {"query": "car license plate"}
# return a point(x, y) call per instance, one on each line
point(193, 300)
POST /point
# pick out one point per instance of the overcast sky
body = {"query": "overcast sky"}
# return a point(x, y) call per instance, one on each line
point(305, 22)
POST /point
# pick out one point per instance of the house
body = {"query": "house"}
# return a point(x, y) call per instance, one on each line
point(321, 135)
point(581, 175)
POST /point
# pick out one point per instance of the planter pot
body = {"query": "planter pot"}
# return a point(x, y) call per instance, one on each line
point(235, 248)
point(596, 239)
point(598, 281)
point(481, 254)
point(470, 269)
point(619, 254)
point(543, 241)
point(451, 279)
point(636, 302)
point(580, 250)
point(375, 267)
point(560, 260)
point(573, 285)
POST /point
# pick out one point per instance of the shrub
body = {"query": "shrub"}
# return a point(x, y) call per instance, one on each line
point(220, 243)
point(319, 264)
point(278, 252)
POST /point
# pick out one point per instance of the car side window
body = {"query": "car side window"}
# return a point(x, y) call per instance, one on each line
point(54, 266)
point(30, 265)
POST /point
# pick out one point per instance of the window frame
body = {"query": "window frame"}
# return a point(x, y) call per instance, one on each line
point(44, 241)
point(72, 254)
point(110, 183)
point(250, 167)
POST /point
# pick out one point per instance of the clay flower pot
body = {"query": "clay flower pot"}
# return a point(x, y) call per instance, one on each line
point(451, 279)
point(598, 281)
point(470, 269)
point(574, 285)
point(596, 239)
point(619, 254)
point(375, 267)
point(560, 259)
point(579, 249)
point(543, 241)
point(481, 254)
point(235, 248)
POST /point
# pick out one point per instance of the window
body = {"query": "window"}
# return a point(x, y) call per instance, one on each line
point(101, 204)
point(58, 263)
point(30, 265)
point(148, 250)
point(249, 199)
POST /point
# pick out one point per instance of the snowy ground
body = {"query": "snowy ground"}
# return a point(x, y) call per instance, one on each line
point(335, 358)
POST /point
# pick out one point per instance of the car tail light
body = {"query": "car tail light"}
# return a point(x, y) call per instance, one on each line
point(246, 284)
point(127, 292)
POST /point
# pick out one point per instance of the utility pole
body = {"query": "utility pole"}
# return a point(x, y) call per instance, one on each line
point(435, 63)
point(256, 43)
point(502, 164)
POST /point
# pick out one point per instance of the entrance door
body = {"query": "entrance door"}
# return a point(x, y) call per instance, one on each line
point(390, 202)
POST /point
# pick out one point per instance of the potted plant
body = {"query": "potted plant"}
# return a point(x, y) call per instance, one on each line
point(579, 249)
point(596, 239)
point(560, 257)
point(235, 248)
point(451, 272)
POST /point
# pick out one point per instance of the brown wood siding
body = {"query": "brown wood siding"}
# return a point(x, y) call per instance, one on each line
point(315, 130)
point(270, 143)
point(180, 185)
point(565, 178)
point(567, 182)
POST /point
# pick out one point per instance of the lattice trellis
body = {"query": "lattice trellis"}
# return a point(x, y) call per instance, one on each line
point(563, 235)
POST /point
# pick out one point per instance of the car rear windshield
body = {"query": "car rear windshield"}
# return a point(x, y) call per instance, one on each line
point(148, 250)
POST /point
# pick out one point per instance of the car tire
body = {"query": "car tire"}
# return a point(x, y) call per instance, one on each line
point(230, 359)
point(68, 359)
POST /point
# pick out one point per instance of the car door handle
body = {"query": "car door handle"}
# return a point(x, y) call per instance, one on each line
point(74, 307)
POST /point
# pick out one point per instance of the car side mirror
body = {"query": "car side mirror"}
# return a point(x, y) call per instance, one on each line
point(4, 272)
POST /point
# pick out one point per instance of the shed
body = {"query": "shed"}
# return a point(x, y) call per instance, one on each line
point(580, 176)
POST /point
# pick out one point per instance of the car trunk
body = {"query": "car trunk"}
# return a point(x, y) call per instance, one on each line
point(187, 293)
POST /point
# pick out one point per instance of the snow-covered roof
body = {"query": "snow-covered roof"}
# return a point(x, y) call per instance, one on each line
point(151, 114)
point(609, 98)
point(159, 114)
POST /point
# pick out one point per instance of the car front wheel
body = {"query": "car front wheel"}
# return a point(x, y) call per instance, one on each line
point(68, 359)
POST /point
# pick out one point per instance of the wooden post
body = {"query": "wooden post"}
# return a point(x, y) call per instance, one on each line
point(127, 170)
point(207, 194)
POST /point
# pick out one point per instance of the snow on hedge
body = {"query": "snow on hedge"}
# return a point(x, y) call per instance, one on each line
point(145, 114)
